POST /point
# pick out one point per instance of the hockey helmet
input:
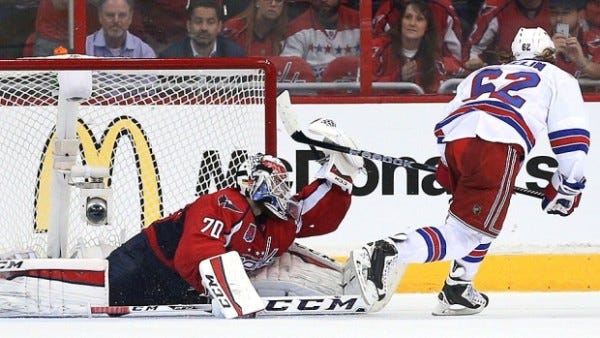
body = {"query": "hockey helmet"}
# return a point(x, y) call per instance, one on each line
point(530, 43)
point(264, 179)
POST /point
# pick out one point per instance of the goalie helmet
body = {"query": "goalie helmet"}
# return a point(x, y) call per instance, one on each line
point(530, 43)
point(264, 179)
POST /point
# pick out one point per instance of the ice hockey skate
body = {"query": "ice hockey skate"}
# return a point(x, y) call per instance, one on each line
point(459, 298)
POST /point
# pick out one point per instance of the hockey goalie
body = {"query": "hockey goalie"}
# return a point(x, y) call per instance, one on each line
point(234, 247)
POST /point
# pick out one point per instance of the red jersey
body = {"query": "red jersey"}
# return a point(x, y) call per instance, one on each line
point(496, 27)
point(387, 66)
point(235, 29)
point(223, 221)
point(448, 24)
point(53, 24)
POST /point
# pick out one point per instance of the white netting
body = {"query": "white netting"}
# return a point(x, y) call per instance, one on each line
point(167, 136)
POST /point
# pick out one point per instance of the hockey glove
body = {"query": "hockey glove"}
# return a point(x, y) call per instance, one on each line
point(338, 168)
point(562, 197)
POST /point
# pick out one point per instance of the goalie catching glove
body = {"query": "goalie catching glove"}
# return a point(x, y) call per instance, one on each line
point(561, 197)
point(338, 168)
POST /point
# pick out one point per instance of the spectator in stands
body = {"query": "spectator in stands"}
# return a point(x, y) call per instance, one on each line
point(410, 51)
point(114, 39)
point(260, 28)
point(578, 53)
point(592, 15)
point(17, 23)
point(498, 24)
point(467, 11)
point(324, 32)
point(51, 26)
point(448, 25)
point(205, 20)
point(164, 21)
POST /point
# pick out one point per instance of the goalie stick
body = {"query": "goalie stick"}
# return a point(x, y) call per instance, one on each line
point(290, 122)
point(275, 306)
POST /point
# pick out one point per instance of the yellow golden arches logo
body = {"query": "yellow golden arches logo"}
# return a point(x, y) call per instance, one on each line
point(102, 154)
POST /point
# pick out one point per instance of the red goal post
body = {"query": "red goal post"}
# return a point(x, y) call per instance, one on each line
point(153, 135)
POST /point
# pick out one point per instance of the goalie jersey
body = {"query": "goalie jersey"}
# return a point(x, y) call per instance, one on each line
point(223, 221)
point(519, 103)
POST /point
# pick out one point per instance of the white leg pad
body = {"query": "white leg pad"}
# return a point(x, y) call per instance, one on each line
point(299, 272)
point(226, 281)
point(376, 284)
point(52, 287)
point(356, 279)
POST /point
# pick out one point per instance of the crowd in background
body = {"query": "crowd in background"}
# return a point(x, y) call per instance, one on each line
point(416, 41)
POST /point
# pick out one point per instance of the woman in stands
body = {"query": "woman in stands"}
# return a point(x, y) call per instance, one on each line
point(260, 28)
point(410, 51)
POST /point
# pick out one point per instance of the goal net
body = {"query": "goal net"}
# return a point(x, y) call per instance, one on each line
point(153, 135)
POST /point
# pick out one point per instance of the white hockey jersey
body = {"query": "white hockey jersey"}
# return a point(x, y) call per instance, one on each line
point(310, 40)
point(519, 103)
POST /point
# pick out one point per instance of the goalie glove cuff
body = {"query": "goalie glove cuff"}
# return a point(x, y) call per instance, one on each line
point(330, 170)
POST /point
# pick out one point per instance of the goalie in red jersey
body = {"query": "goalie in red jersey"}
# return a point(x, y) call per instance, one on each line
point(180, 257)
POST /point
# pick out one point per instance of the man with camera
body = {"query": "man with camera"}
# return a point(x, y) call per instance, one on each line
point(577, 49)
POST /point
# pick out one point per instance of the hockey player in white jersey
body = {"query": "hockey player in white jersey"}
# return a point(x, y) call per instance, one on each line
point(497, 116)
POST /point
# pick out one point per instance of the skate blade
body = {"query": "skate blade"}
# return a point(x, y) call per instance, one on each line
point(445, 309)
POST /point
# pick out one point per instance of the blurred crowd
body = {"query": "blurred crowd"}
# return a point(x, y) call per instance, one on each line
point(413, 41)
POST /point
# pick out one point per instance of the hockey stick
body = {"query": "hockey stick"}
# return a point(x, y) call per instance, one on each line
point(290, 122)
point(152, 310)
point(275, 306)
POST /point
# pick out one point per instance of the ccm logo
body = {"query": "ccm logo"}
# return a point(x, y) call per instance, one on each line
point(10, 264)
point(217, 292)
point(312, 304)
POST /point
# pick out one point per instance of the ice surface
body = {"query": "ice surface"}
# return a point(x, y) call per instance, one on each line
point(531, 315)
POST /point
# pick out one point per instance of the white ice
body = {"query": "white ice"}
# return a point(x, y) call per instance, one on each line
point(514, 314)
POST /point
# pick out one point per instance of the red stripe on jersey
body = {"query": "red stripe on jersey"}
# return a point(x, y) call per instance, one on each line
point(478, 253)
point(569, 140)
point(436, 243)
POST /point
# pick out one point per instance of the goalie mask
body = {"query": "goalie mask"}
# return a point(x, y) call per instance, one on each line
point(264, 179)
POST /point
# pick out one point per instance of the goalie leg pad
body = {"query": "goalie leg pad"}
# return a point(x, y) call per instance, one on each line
point(299, 272)
point(52, 287)
point(375, 271)
point(226, 281)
